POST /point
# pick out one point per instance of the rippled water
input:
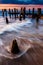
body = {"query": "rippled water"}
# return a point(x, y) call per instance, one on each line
point(20, 30)
point(15, 26)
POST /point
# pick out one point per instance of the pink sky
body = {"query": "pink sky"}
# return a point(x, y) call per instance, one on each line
point(11, 6)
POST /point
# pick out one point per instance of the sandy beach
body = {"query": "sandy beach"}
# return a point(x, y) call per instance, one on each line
point(28, 36)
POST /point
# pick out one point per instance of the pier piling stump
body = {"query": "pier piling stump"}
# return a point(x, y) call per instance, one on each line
point(15, 48)
point(7, 22)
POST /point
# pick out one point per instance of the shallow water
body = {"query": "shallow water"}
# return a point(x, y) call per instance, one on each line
point(22, 30)
point(15, 26)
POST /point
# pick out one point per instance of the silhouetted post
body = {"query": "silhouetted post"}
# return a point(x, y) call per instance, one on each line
point(7, 22)
point(20, 18)
point(33, 15)
point(21, 11)
point(6, 13)
point(29, 11)
point(15, 48)
point(15, 12)
point(12, 13)
point(9, 13)
point(3, 12)
point(21, 14)
point(39, 12)
point(24, 11)
point(38, 17)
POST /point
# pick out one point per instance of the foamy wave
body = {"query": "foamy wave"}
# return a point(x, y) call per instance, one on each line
point(14, 26)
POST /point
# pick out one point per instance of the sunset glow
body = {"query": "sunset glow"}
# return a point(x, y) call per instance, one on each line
point(11, 6)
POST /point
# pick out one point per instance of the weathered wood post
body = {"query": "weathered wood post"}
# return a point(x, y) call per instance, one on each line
point(29, 11)
point(3, 12)
point(6, 12)
point(15, 13)
point(7, 22)
point(33, 15)
point(12, 13)
point(24, 11)
point(9, 13)
point(38, 17)
point(15, 48)
point(39, 12)
point(20, 18)
point(21, 14)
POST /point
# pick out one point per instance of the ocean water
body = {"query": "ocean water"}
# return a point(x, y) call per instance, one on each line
point(8, 32)
point(26, 12)
point(0, 13)
point(15, 26)
point(19, 30)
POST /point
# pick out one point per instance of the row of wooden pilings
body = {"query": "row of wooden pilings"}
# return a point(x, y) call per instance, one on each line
point(21, 14)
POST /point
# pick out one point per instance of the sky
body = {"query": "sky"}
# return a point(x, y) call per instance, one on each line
point(6, 4)
point(21, 2)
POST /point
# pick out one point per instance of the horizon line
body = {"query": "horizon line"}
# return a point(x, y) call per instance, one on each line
point(11, 6)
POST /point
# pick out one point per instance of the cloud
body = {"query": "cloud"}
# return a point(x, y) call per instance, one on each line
point(22, 1)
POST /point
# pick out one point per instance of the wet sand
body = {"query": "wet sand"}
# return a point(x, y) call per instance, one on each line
point(34, 56)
